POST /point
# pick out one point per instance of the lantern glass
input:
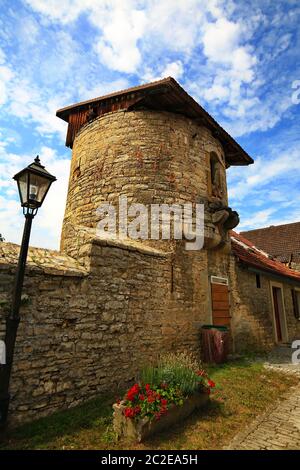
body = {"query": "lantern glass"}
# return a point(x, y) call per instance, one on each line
point(33, 183)
point(22, 185)
point(38, 187)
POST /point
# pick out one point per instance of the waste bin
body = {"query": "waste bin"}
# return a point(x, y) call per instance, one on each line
point(214, 343)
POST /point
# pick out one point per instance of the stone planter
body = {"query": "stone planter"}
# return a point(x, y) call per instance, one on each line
point(139, 430)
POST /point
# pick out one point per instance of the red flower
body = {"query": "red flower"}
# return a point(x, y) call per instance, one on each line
point(151, 399)
point(132, 392)
point(211, 383)
point(129, 412)
point(147, 387)
point(208, 391)
point(137, 409)
point(141, 397)
point(164, 402)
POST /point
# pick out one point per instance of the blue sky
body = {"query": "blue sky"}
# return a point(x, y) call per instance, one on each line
point(240, 62)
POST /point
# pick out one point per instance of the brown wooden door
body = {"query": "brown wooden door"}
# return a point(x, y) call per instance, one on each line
point(220, 305)
point(276, 292)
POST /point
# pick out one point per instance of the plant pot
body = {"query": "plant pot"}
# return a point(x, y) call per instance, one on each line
point(139, 429)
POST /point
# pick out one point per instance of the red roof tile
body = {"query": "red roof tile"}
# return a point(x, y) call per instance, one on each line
point(249, 254)
point(281, 241)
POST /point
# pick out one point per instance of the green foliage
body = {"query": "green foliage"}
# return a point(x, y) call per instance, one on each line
point(176, 370)
point(88, 426)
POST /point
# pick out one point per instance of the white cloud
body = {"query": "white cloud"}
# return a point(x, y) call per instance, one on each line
point(34, 105)
point(171, 69)
point(102, 88)
point(121, 28)
point(174, 69)
point(6, 75)
point(62, 11)
point(47, 224)
point(259, 192)
point(176, 25)
point(220, 39)
point(262, 172)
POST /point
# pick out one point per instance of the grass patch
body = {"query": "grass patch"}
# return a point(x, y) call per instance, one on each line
point(244, 390)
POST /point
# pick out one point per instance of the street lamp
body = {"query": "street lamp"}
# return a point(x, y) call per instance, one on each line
point(33, 184)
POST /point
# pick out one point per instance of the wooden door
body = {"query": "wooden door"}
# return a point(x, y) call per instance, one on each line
point(220, 305)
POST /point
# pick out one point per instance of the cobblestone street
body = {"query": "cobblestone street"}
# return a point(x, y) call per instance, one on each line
point(279, 427)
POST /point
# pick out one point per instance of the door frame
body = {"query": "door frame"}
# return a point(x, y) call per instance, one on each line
point(219, 281)
point(283, 323)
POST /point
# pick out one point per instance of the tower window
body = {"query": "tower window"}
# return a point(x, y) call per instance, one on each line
point(216, 175)
point(258, 284)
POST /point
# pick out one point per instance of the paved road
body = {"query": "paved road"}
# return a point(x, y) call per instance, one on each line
point(278, 428)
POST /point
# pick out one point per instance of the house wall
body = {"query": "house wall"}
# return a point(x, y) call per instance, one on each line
point(252, 310)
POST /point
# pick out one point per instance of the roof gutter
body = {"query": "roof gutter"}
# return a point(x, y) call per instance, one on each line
point(272, 275)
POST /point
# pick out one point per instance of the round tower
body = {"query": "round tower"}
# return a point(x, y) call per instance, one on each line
point(149, 156)
point(153, 144)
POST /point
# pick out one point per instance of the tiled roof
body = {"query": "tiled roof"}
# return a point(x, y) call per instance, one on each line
point(249, 254)
point(163, 95)
point(281, 241)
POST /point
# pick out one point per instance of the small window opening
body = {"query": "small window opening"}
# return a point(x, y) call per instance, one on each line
point(296, 303)
point(258, 283)
point(216, 176)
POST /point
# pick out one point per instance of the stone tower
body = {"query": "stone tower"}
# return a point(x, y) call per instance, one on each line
point(154, 144)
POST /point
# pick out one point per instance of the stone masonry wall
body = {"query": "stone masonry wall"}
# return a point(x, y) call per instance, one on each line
point(85, 332)
point(148, 156)
point(97, 311)
point(252, 312)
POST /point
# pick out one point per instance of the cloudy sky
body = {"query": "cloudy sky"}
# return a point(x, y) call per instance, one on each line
point(240, 62)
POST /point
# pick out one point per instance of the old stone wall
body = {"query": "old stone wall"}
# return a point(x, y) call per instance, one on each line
point(252, 311)
point(87, 329)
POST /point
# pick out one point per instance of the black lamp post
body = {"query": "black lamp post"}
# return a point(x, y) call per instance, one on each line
point(33, 184)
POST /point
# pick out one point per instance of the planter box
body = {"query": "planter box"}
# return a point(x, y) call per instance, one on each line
point(138, 430)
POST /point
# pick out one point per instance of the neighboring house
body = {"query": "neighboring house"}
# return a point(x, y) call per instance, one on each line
point(280, 241)
point(264, 297)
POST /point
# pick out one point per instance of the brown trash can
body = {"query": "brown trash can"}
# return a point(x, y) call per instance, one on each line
point(214, 344)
